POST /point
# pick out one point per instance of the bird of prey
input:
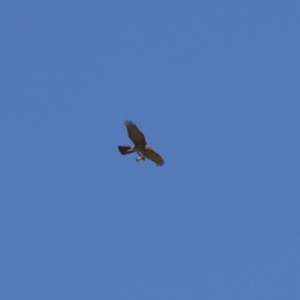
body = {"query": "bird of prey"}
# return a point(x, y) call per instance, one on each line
point(140, 146)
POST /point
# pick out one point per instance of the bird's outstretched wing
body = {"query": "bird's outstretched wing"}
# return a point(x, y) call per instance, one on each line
point(135, 134)
point(154, 156)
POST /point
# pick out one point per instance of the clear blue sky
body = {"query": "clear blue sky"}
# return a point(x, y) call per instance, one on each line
point(214, 86)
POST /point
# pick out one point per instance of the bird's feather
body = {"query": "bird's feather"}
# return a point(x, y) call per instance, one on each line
point(125, 150)
point(135, 134)
point(154, 156)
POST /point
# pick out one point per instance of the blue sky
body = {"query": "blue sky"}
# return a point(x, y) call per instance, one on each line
point(214, 86)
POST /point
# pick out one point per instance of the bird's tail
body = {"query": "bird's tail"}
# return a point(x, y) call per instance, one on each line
point(125, 150)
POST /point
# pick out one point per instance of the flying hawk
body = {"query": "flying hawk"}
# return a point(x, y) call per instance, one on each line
point(140, 145)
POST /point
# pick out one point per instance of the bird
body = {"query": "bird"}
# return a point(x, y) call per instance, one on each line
point(140, 146)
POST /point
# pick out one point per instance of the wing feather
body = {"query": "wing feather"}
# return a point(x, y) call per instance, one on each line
point(154, 156)
point(135, 134)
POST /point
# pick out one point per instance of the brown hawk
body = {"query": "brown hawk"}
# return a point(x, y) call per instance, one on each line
point(140, 146)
